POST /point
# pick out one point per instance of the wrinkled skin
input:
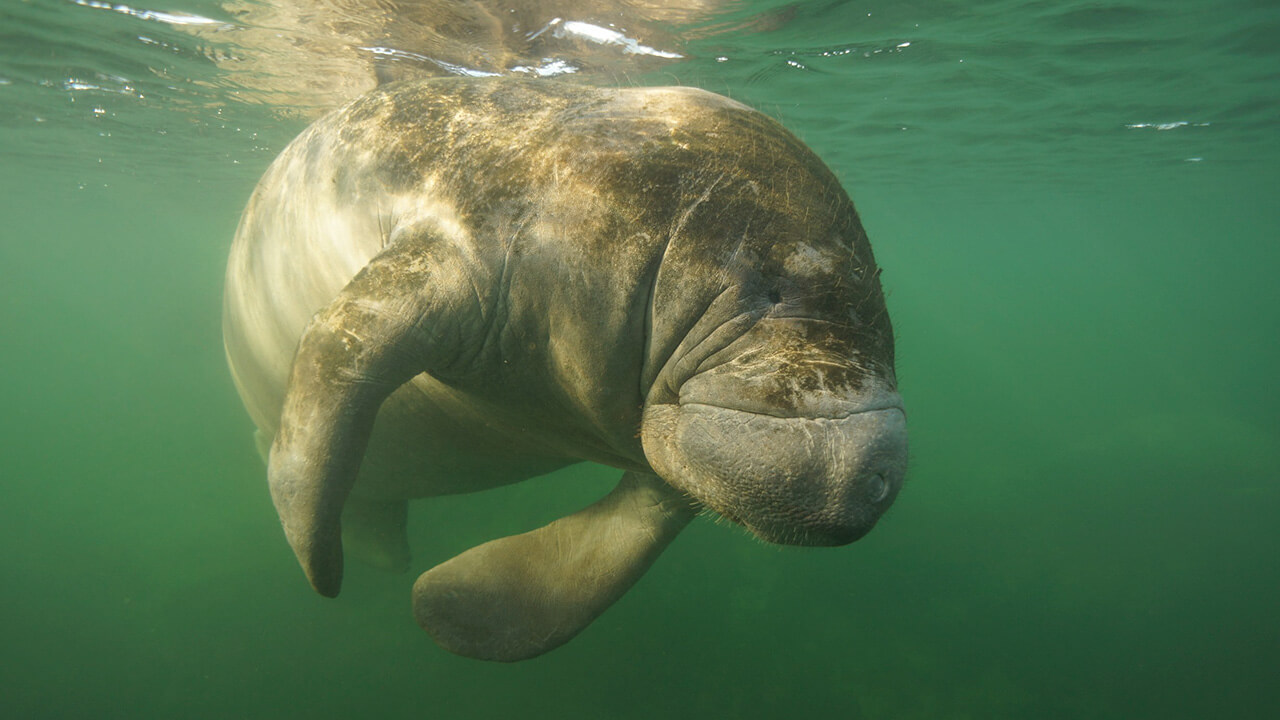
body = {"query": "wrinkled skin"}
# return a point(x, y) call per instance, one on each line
point(452, 285)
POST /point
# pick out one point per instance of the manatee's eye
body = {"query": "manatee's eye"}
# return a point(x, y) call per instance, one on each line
point(775, 295)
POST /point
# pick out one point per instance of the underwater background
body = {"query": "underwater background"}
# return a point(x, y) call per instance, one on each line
point(1075, 206)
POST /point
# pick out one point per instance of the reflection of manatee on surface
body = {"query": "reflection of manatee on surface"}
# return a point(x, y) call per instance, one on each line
point(456, 284)
point(305, 57)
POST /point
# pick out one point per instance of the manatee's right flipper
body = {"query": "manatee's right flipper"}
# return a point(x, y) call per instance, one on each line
point(376, 532)
point(518, 597)
point(417, 306)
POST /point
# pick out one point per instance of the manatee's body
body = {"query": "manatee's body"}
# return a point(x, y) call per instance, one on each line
point(515, 276)
point(499, 165)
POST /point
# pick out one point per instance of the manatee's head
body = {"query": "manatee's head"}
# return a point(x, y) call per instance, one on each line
point(772, 398)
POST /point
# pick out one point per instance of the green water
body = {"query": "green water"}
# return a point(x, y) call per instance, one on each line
point(1087, 312)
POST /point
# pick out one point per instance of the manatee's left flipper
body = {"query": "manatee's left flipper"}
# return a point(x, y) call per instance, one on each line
point(376, 532)
point(518, 597)
point(417, 306)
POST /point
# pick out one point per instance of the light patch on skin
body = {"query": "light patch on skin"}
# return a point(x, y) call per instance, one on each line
point(684, 216)
point(278, 287)
point(671, 105)
point(427, 209)
point(807, 260)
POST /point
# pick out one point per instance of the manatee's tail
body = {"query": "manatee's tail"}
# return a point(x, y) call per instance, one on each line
point(518, 597)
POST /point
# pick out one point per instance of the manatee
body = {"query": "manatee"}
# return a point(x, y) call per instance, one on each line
point(451, 285)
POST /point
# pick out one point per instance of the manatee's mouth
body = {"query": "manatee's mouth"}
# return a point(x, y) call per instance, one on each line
point(789, 480)
point(830, 411)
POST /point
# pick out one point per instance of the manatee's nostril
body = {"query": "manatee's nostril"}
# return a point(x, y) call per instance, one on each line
point(877, 487)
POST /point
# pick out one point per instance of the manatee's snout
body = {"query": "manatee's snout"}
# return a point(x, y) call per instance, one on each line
point(791, 480)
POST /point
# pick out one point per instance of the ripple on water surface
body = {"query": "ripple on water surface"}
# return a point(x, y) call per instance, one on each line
point(882, 90)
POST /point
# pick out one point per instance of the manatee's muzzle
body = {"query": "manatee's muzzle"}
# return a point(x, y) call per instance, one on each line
point(790, 480)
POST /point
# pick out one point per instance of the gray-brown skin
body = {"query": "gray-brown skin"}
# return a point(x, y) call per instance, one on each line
point(456, 284)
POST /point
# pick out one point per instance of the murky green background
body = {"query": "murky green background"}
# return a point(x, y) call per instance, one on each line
point(1076, 208)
